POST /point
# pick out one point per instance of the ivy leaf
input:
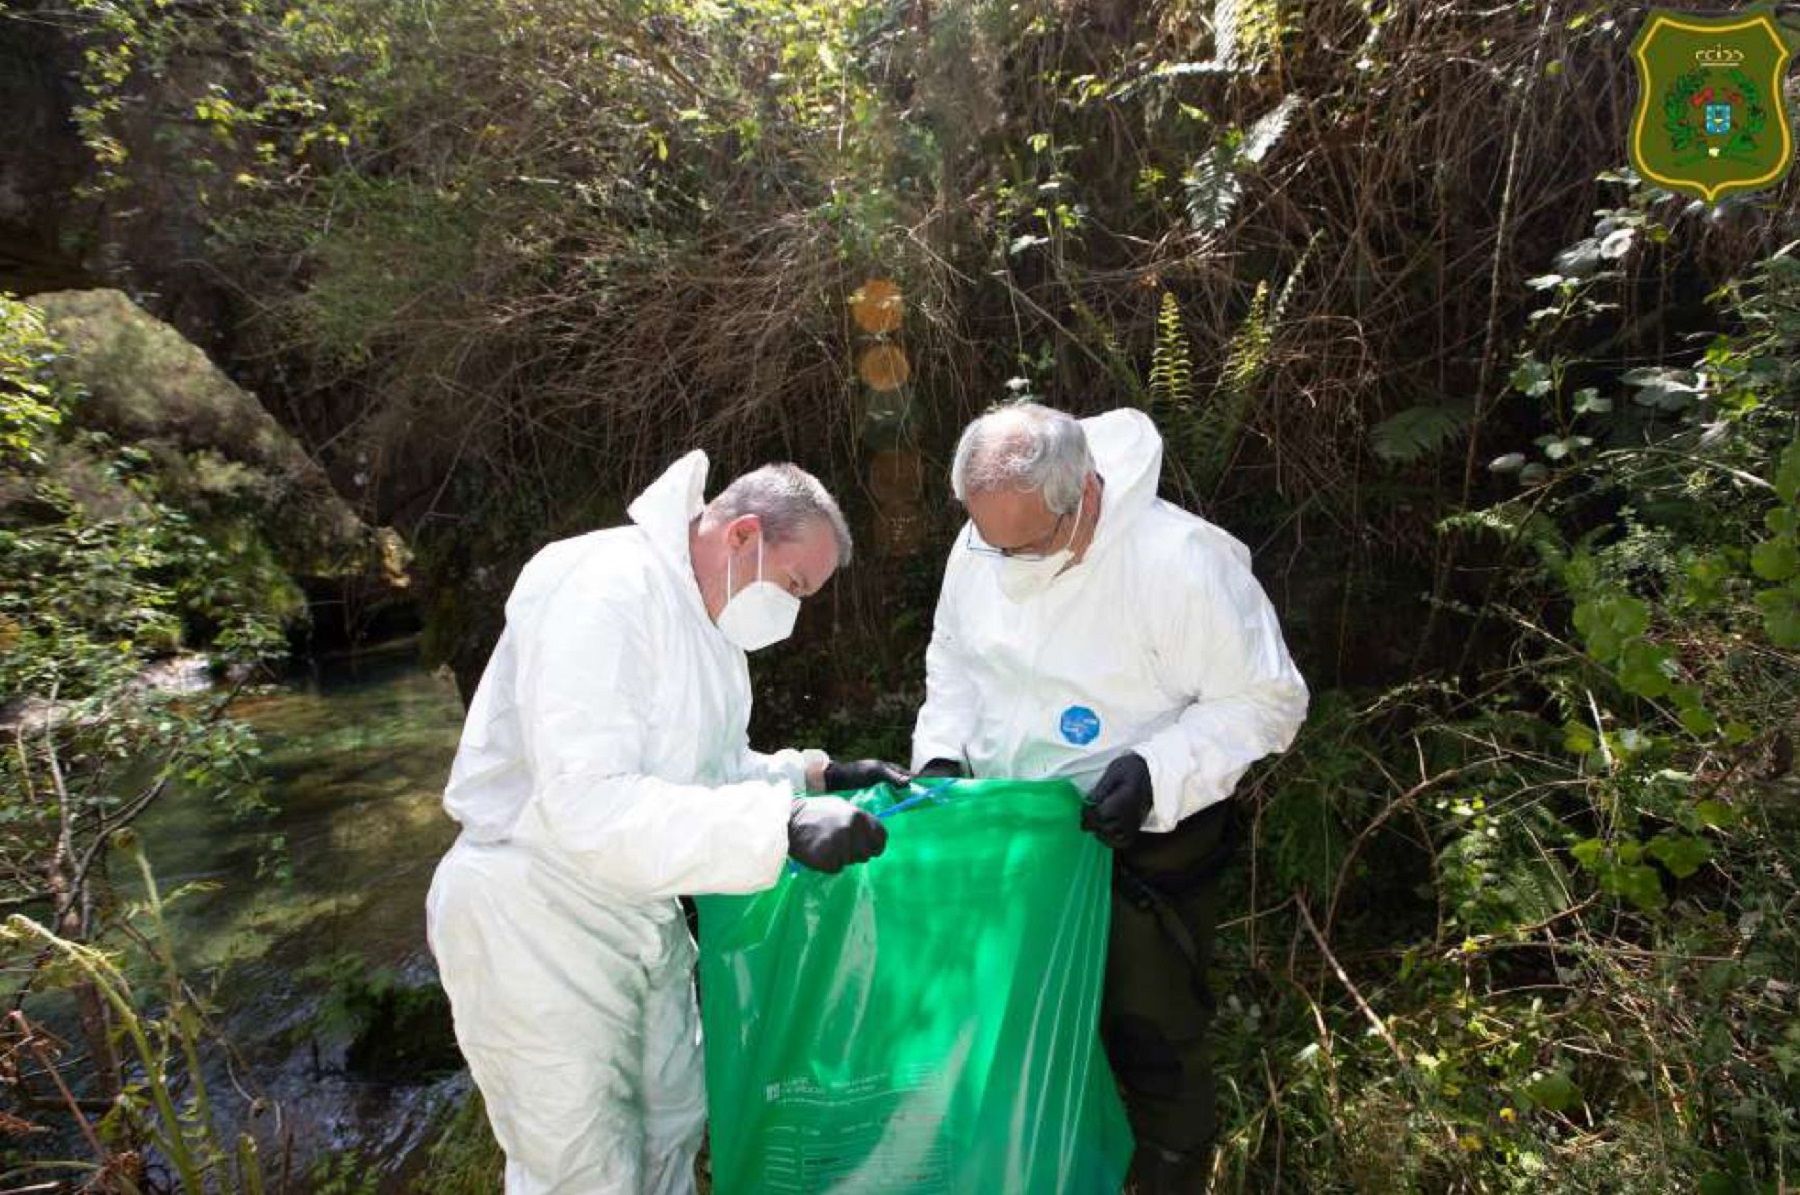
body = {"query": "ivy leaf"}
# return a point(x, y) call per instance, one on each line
point(1716, 814)
point(1511, 462)
point(1697, 721)
point(1781, 617)
point(1617, 243)
point(1680, 853)
point(1664, 389)
point(1775, 559)
point(1589, 852)
point(1580, 259)
point(1553, 1091)
point(1640, 885)
point(1531, 377)
point(1787, 476)
point(1578, 738)
point(1644, 669)
point(1589, 402)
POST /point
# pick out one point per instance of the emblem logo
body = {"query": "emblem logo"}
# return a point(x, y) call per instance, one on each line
point(1080, 725)
point(1710, 118)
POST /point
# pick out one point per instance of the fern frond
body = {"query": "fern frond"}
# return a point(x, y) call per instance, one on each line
point(1268, 129)
point(1417, 432)
point(1171, 367)
point(1225, 31)
point(1172, 382)
point(1213, 189)
point(1214, 183)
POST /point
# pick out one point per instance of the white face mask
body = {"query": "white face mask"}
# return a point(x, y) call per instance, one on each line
point(1021, 580)
point(760, 613)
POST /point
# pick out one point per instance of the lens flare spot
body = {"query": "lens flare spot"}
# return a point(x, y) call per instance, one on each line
point(876, 306)
point(884, 367)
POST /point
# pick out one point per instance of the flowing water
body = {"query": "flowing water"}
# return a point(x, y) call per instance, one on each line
point(320, 897)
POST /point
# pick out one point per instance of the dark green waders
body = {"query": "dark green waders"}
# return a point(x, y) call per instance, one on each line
point(1157, 1011)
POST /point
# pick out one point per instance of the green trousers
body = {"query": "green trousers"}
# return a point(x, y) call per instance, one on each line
point(1157, 1010)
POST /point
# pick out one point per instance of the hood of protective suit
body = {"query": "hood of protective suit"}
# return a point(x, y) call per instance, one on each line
point(667, 509)
point(1128, 452)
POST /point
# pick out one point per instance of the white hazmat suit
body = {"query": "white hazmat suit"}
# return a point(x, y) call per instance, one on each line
point(603, 770)
point(1160, 642)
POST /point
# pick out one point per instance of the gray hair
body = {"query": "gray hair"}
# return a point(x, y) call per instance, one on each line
point(787, 499)
point(1023, 446)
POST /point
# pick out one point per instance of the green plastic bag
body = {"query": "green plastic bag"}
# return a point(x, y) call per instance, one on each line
point(926, 1022)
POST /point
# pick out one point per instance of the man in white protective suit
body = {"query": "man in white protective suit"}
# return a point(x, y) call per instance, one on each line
point(605, 770)
point(1089, 630)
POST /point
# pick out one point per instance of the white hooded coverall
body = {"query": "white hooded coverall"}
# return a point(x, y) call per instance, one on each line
point(603, 770)
point(1160, 642)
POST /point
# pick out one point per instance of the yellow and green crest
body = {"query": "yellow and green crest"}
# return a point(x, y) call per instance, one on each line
point(1710, 118)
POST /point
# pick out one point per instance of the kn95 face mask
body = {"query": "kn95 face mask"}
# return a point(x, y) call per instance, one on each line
point(760, 613)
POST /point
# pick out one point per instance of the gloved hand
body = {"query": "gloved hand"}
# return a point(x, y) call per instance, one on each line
point(828, 834)
point(864, 773)
point(1121, 800)
point(943, 769)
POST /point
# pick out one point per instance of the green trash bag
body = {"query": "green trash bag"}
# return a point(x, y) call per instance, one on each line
point(926, 1022)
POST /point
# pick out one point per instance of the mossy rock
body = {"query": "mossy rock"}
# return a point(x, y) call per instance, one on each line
point(214, 450)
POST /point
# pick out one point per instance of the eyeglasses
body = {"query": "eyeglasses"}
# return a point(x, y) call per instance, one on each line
point(974, 543)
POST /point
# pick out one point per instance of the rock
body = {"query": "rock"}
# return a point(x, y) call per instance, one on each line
point(215, 451)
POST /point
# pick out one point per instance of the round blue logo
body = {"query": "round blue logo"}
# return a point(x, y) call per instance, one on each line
point(1080, 725)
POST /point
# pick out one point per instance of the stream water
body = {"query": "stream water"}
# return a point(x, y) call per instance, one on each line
point(325, 894)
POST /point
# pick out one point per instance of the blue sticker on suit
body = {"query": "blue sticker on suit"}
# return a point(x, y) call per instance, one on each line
point(1080, 725)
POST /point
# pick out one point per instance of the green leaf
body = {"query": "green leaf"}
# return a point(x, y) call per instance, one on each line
point(1680, 853)
point(1697, 721)
point(1644, 669)
point(1531, 377)
point(1589, 852)
point(1553, 1091)
point(1589, 402)
point(1787, 476)
point(1716, 814)
point(1637, 883)
point(1775, 559)
point(1781, 617)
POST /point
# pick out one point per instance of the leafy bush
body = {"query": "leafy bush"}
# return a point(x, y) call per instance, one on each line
point(95, 591)
point(1533, 931)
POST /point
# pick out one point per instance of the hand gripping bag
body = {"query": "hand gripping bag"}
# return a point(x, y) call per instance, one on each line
point(924, 1023)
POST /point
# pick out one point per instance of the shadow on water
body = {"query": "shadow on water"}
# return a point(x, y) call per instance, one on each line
point(313, 940)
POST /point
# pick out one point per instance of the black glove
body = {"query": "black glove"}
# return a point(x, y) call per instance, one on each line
point(828, 834)
point(943, 769)
point(864, 773)
point(1116, 809)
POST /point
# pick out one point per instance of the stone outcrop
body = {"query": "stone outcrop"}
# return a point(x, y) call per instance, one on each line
point(215, 451)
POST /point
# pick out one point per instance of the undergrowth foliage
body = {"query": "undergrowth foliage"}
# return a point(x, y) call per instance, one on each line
point(1535, 928)
point(99, 581)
